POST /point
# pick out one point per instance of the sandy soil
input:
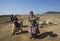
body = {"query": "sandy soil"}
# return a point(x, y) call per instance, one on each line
point(47, 33)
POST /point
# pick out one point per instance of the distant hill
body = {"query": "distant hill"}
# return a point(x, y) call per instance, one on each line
point(52, 12)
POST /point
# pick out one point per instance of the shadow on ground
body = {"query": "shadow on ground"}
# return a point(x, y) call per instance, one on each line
point(24, 32)
point(41, 36)
point(45, 34)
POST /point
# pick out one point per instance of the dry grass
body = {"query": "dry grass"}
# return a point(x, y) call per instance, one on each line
point(45, 32)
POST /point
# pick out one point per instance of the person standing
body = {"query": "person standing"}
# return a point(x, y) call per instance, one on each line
point(33, 29)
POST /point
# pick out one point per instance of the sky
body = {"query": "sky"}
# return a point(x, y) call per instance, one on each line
point(25, 6)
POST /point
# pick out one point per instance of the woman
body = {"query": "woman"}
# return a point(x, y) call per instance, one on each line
point(34, 25)
point(16, 25)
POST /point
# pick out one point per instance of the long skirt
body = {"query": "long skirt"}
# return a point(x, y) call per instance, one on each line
point(15, 29)
point(33, 30)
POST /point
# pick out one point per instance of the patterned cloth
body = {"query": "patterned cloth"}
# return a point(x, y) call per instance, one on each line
point(15, 29)
point(33, 30)
point(34, 25)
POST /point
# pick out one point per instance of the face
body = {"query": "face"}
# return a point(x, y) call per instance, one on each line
point(31, 13)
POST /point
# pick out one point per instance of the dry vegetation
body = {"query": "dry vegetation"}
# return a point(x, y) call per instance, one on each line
point(47, 33)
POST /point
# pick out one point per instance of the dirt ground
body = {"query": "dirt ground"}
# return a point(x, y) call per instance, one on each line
point(47, 33)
